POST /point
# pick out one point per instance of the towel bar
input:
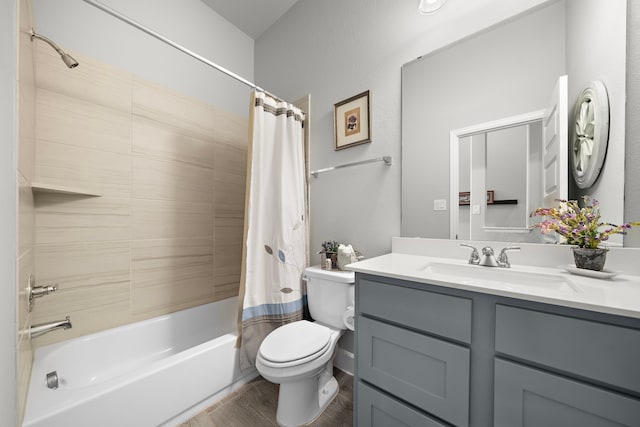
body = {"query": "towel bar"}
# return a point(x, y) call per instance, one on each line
point(386, 159)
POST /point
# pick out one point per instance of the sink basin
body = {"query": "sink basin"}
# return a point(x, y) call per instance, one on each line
point(506, 278)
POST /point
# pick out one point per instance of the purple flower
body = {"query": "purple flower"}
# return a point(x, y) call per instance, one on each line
point(580, 226)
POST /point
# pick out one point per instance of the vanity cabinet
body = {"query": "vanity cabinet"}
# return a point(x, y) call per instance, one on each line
point(568, 371)
point(429, 355)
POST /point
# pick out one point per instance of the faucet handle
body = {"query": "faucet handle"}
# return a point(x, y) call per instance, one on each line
point(475, 257)
point(503, 260)
point(34, 291)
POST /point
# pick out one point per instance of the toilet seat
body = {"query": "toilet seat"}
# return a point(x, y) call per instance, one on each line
point(294, 344)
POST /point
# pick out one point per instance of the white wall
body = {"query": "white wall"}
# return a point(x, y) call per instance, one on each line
point(8, 213)
point(335, 49)
point(76, 25)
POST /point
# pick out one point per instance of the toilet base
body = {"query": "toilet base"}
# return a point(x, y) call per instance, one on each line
point(317, 393)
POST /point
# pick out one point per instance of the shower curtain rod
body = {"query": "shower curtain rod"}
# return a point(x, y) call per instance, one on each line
point(175, 45)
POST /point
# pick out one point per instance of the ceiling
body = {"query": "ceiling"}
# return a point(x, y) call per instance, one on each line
point(253, 17)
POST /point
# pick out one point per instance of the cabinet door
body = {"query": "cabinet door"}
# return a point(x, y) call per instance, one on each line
point(375, 408)
point(530, 397)
point(575, 346)
point(426, 372)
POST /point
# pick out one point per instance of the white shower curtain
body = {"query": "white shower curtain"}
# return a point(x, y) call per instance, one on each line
point(275, 244)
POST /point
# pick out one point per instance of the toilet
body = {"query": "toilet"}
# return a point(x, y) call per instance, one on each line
point(299, 355)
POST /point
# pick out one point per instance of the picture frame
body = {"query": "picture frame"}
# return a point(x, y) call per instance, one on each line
point(352, 121)
point(464, 198)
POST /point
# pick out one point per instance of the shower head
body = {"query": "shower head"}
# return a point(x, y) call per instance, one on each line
point(66, 58)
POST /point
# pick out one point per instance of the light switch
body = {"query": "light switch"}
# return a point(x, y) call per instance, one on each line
point(440, 205)
point(475, 210)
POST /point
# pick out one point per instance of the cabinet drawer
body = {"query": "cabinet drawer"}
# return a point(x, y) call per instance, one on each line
point(423, 371)
point(530, 397)
point(603, 352)
point(377, 409)
point(443, 315)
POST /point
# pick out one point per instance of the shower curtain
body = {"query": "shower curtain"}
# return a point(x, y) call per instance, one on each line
point(275, 225)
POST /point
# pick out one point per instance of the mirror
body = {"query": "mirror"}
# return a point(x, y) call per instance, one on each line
point(508, 70)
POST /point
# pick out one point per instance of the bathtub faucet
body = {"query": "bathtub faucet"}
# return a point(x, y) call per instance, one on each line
point(43, 328)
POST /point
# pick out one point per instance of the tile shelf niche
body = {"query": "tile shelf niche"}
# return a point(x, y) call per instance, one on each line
point(39, 187)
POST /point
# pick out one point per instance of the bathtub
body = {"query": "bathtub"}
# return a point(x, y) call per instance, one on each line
point(160, 371)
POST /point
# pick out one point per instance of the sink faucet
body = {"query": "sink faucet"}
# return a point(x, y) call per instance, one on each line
point(488, 258)
point(503, 261)
point(43, 328)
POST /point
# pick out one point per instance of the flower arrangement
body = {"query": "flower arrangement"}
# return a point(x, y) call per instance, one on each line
point(330, 246)
point(579, 226)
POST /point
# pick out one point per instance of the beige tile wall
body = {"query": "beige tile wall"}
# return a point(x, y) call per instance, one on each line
point(26, 213)
point(166, 232)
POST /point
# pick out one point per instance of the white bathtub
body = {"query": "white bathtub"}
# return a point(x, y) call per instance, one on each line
point(156, 372)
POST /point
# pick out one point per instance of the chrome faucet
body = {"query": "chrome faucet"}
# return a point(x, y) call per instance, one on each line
point(43, 328)
point(488, 258)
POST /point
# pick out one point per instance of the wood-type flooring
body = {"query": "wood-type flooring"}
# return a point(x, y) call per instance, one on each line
point(255, 403)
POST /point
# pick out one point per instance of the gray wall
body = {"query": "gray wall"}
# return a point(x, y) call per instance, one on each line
point(301, 54)
point(632, 154)
point(8, 208)
point(509, 70)
point(76, 25)
point(596, 51)
point(506, 175)
point(334, 49)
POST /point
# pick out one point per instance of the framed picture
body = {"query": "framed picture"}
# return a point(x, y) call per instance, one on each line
point(352, 121)
point(489, 197)
point(464, 198)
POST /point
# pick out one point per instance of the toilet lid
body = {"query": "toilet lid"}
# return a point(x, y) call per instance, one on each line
point(295, 341)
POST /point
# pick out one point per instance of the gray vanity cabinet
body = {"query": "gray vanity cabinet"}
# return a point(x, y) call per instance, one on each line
point(434, 356)
point(401, 350)
point(579, 353)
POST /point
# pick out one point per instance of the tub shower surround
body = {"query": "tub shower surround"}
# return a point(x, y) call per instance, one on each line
point(144, 202)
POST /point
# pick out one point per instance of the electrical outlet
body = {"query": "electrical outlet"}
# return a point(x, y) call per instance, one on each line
point(440, 205)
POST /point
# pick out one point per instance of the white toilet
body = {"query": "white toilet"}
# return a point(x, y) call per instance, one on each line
point(299, 355)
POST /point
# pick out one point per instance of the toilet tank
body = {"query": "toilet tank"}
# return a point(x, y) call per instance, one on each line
point(329, 293)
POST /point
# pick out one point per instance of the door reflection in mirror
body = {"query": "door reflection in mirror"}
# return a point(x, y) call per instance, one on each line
point(498, 178)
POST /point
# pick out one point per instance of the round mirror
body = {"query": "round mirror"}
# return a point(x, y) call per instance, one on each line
point(590, 134)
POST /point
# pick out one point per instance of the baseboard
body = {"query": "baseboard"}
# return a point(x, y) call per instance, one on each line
point(344, 361)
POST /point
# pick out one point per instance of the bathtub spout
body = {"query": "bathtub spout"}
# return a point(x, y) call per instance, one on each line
point(43, 328)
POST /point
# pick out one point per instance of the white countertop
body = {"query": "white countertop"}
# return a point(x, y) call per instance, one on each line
point(619, 295)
